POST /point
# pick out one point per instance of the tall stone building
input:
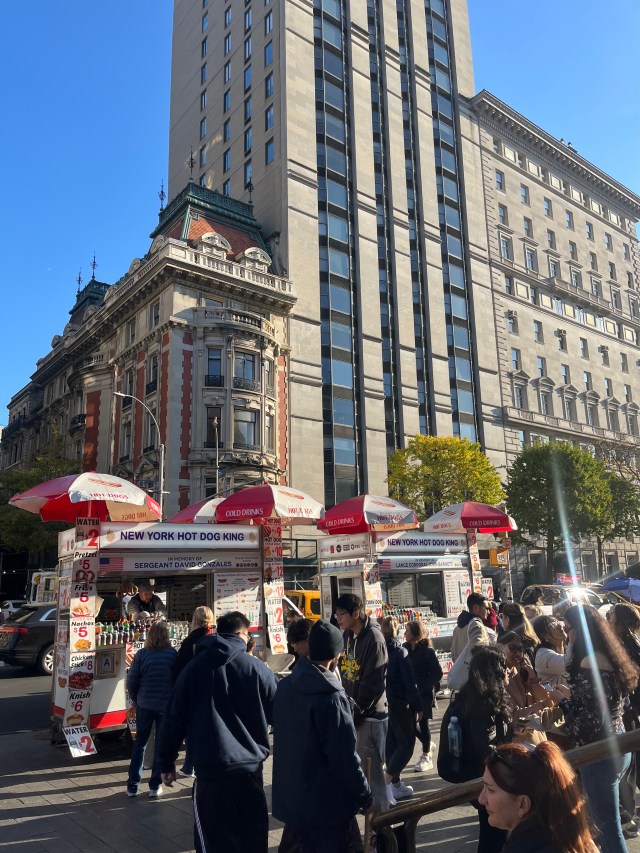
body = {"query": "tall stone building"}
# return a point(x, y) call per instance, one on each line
point(340, 121)
point(195, 335)
point(562, 283)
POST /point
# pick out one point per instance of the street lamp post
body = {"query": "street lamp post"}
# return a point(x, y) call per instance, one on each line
point(155, 423)
point(217, 440)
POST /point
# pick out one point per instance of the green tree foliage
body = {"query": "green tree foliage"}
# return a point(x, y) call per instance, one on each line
point(433, 472)
point(556, 492)
point(22, 531)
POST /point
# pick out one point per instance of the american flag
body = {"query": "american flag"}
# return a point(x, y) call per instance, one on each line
point(111, 564)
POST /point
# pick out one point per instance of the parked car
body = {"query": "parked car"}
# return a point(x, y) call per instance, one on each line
point(554, 594)
point(307, 601)
point(9, 606)
point(27, 638)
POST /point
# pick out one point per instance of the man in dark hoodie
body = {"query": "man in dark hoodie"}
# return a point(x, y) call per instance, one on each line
point(318, 783)
point(470, 625)
point(364, 672)
point(222, 703)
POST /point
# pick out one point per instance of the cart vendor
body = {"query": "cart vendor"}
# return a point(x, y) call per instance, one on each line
point(146, 602)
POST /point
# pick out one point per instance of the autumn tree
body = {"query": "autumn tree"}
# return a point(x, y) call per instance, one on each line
point(25, 531)
point(556, 492)
point(434, 472)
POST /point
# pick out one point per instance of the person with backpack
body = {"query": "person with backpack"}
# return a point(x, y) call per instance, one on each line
point(477, 720)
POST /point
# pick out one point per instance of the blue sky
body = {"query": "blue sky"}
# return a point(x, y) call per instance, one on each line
point(85, 115)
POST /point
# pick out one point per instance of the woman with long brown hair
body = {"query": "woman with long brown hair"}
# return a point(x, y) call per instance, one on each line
point(427, 673)
point(515, 619)
point(601, 677)
point(534, 794)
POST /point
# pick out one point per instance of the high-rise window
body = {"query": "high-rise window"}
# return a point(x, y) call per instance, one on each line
point(548, 208)
point(247, 78)
point(213, 427)
point(551, 238)
point(227, 16)
point(226, 101)
point(227, 44)
point(500, 185)
point(505, 247)
point(268, 85)
point(573, 250)
point(541, 365)
point(503, 214)
point(593, 260)
point(608, 242)
point(203, 156)
point(538, 335)
point(589, 228)
point(247, 19)
point(226, 187)
point(530, 259)
point(247, 48)
point(154, 315)
point(568, 218)
point(203, 128)
point(612, 271)
point(204, 47)
point(268, 53)
point(248, 140)
point(203, 73)
point(565, 374)
point(205, 21)
point(247, 173)
point(248, 108)
point(226, 130)
point(226, 160)
point(269, 432)
point(528, 227)
point(268, 151)
point(624, 362)
point(268, 117)
point(203, 100)
point(584, 348)
point(516, 362)
point(524, 193)
point(268, 23)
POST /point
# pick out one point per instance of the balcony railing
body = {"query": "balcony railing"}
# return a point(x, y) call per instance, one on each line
point(14, 426)
point(209, 445)
point(213, 381)
point(271, 391)
point(246, 384)
point(238, 445)
point(148, 448)
point(152, 386)
point(124, 458)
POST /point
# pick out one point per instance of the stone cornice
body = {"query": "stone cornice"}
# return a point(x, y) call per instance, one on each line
point(504, 118)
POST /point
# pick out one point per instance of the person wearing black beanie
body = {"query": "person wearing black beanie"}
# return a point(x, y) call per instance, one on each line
point(318, 782)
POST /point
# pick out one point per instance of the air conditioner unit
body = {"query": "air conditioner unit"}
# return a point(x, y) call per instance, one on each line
point(604, 348)
point(562, 333)
point(512, 315)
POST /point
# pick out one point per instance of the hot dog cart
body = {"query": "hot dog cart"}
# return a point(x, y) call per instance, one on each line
point(188, 565)
point(409, 575)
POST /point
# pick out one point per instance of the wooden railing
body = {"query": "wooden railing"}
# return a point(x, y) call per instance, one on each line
point(405, 817)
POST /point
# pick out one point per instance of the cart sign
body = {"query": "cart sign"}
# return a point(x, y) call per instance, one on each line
point(162, 537)
point(334, 547)
point(171, 562)
point(413, 542)
point(413, 563)
point(329, 567)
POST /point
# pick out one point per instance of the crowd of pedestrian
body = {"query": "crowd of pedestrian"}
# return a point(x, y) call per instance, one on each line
point(346, 719)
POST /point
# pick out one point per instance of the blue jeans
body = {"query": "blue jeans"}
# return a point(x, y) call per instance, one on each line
point(601, 784)
point(144, 723)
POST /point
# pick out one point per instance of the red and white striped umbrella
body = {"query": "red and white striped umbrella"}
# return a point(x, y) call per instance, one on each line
point(269, 502)
point(470, 515)
point(366, 513)
point(201, 512)
point(89, 494)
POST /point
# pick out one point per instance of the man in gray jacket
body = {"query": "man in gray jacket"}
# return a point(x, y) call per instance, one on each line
point(470, 625)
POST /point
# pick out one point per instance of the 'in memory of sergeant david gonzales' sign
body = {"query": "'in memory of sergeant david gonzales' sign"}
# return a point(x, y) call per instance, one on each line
point(161, 536)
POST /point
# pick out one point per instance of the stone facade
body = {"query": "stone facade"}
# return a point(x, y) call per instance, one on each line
point(562, 289)
point(196, 330)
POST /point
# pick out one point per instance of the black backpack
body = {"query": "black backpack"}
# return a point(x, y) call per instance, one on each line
point(468, 766)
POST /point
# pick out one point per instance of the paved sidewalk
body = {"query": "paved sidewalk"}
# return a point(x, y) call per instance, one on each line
point(51, 803)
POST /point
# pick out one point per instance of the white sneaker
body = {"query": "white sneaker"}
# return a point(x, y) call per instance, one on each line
point(154, 793)
point(401, 791)
point(184, 775)
point(390, 797)
point(425, 763)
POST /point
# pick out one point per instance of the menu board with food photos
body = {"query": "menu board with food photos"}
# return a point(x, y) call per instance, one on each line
point(81, 637)
point(238, 591)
